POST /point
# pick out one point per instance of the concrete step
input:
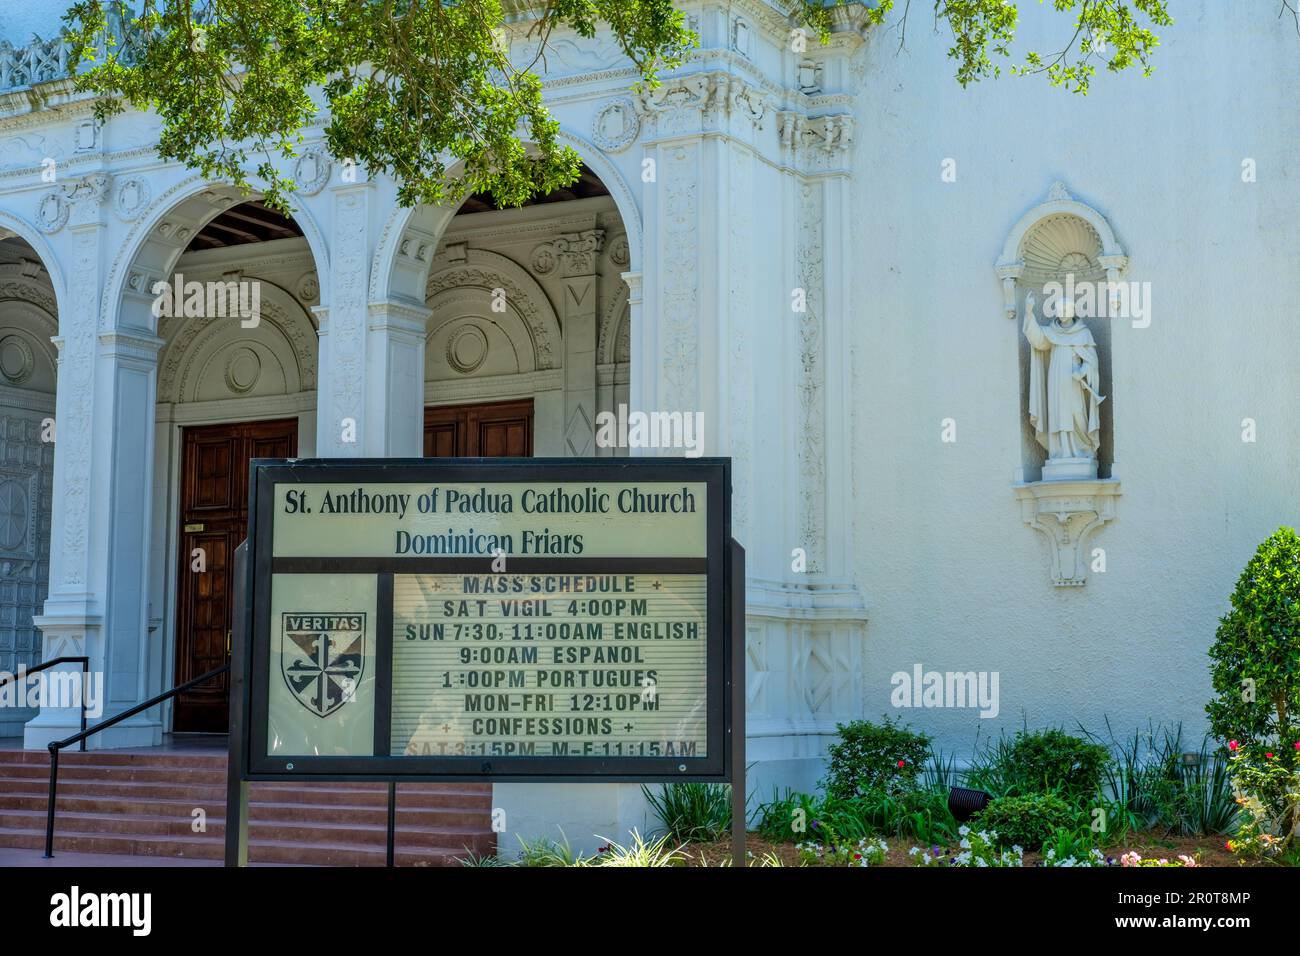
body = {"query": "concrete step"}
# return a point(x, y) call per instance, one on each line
point(67, 758)
point(201, 776)
point(301, 831)
point(265, 793)
point(142, 803)
point(207, 847)
point(326, 813)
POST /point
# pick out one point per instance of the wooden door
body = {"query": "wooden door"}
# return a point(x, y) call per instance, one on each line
point(490, 430)
point(214, 521)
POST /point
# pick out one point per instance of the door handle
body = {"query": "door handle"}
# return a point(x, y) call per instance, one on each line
point(227, 643)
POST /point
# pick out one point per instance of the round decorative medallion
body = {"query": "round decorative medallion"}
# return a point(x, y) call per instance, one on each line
point(131, 199)
point(616, 125)
point(544, 259)
point(16, 360)
point(51, 212)
point(13, 514)
point(308, 289)
point(312, 171)
point(467, 349)
point(243, 370)
point(618, 252)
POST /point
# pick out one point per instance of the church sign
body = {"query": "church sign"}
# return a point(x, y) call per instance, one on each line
point(470, 619)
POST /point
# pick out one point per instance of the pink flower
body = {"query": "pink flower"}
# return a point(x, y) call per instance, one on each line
point(1269, 755)
point(1232, 745)
point(901, 762)
point(1297, 745)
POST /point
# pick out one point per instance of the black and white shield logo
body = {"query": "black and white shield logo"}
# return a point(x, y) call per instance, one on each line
point(322, 656)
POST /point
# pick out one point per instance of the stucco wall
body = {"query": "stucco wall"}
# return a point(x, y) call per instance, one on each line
point(954, 579)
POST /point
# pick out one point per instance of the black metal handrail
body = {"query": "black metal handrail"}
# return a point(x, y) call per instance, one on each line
point(85, 675)
point(57, 745)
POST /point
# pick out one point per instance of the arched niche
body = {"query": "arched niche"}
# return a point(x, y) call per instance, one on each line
point(1062, 243)
point(217, 359)
point(474, 331)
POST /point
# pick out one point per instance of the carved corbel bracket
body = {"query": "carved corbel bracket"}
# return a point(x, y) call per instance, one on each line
point(1009, 272)
point(1068, 512)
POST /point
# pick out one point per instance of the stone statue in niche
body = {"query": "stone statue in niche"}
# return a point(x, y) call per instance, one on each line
point(1064, 392)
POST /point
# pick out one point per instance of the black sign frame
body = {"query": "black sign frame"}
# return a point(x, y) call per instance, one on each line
point(251, 664)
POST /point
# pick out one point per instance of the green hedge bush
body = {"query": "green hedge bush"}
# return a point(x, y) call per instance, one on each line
point(886, 757)
point(1028, 821)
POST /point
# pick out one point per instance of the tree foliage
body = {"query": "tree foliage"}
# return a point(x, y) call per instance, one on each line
point(1255, 658)
point(428, 91)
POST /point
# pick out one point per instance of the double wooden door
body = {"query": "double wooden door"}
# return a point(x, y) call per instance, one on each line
point(495, 430)
point(214, 521)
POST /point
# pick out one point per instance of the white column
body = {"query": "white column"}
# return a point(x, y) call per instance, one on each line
point(395, 380)
point(577, 252)
point(97, 604)
point(341, 424)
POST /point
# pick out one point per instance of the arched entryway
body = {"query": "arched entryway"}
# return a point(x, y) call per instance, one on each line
point(237, 374)
point(28, 370)
point(528, 329)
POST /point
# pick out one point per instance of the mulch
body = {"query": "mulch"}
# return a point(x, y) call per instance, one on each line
point(1207, 851)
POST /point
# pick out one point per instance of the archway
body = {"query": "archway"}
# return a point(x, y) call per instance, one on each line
point(237, 373)
point(28, 372)
point(526, 310)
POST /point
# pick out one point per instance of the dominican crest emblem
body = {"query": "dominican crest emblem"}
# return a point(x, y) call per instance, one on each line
point(322, 656)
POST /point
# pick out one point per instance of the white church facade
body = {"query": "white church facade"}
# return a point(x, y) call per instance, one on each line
point(837, 256)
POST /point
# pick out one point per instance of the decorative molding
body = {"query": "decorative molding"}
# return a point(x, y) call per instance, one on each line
point(1055, 237)
point(52, 212)
point(132, 198)
point(17, 360)
point(307, 289)
point(487, 271)
point(577, 251)
point(810, 259)
point(816, 140)
point(740, 311)
point(311, 171)
point(679, 276)
point(495, 387)
point(616, 125)
point(679, 102)
point(1067, 512)
point(467, 348)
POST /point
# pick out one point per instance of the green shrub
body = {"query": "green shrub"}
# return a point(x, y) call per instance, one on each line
point(692, 812)
point(1047, 761)
point(886, 757)
point(1254, 671)
point(1028, 821)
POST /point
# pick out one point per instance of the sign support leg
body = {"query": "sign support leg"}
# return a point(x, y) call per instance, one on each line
point(392, 819)
point(738, 789)
point(236, 786)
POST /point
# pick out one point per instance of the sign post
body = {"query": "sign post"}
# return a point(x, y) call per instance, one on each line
point(490, 619)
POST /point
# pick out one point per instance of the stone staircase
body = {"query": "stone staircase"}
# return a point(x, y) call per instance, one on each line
point(143, 803)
